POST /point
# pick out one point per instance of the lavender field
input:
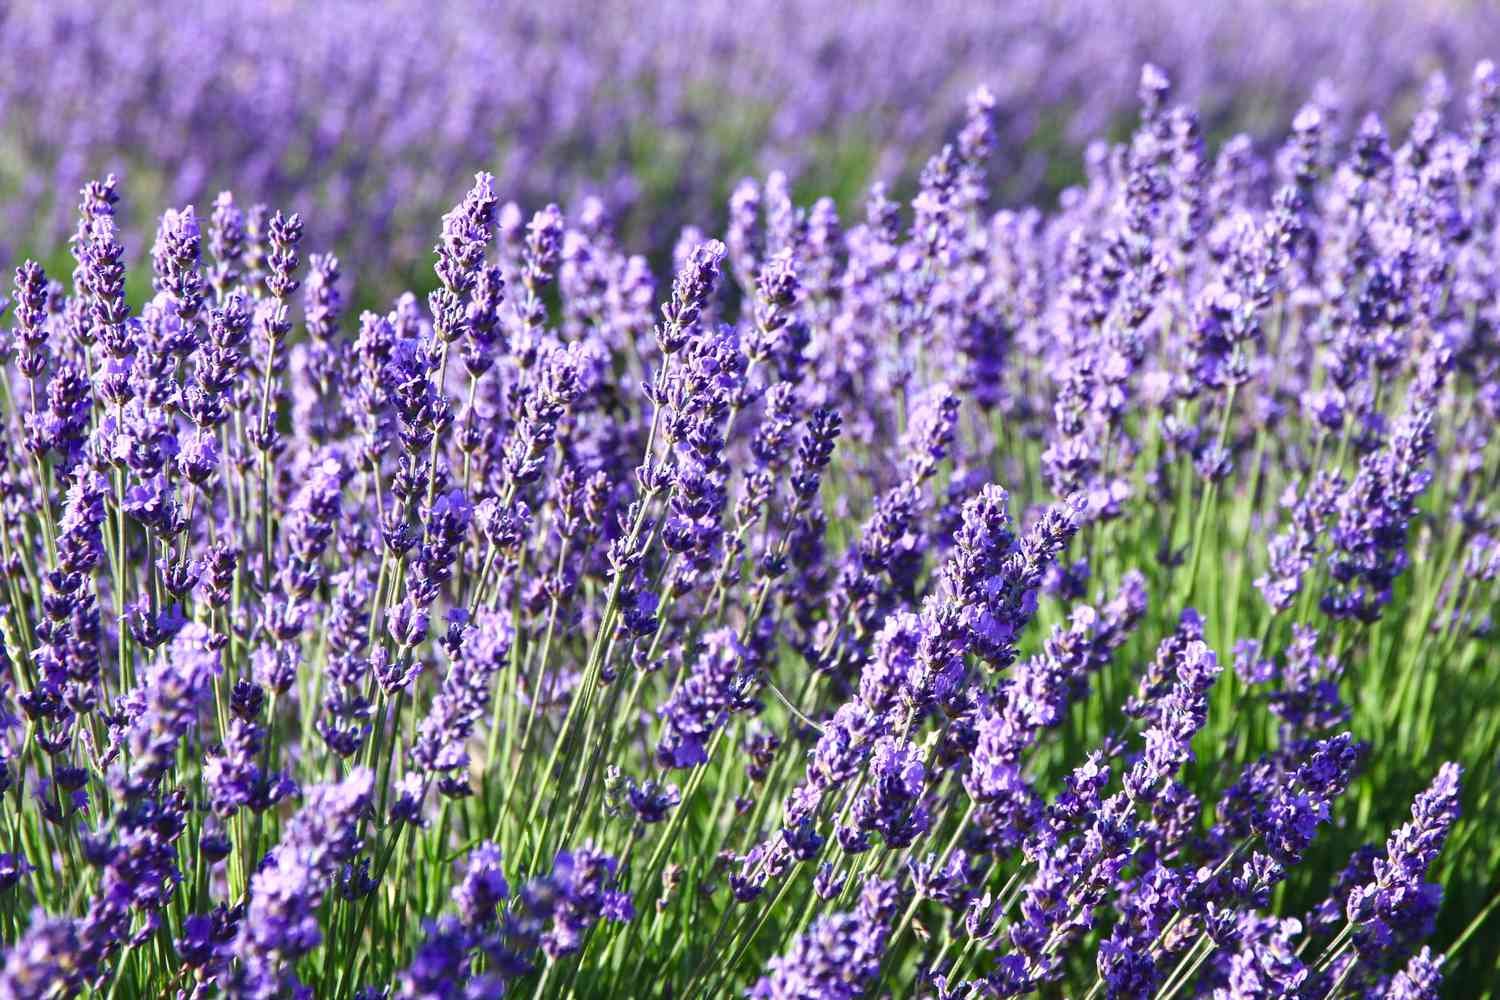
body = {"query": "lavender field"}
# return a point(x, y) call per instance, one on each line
point(948, 500)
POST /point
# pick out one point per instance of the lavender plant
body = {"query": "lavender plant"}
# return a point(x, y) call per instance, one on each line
point(954, 601)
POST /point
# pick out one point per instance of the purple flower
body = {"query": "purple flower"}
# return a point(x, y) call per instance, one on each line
point(1369, 538)
point(441, 747)
point(719, 684)
point(1396, 908)
point(48, 959)
point(281, 923)
point(482, 888)
point(176, 687)
point(651, 800)
point(691, 290)
point(891, 803)
point(440, 969)
point(579, 891)
point(1293, 552)
point(1266, 962)
point(839, 956)
point(1421, 979)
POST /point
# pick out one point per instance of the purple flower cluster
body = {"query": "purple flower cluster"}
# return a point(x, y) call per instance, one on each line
point(280, 924)
point(839, 956)
point(571, 629)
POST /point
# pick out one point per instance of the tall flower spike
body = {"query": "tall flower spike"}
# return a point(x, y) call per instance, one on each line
point(281, 924)
point(719, 685)
point(1397, 908)
point(839, 957)
point(691, 290)
point(285, 235)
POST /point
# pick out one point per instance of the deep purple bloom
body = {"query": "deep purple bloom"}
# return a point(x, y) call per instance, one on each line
point(1393, 911)
point(839, 957)
point(720, 684)
point(281, 923)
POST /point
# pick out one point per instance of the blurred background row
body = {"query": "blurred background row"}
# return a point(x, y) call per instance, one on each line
point(371, 118)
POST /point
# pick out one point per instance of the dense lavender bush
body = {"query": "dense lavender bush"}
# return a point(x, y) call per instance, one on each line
point(945, 601)
point(366, 117)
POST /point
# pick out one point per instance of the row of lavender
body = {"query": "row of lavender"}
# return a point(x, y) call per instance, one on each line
point(561, 633)
point(367, 117)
